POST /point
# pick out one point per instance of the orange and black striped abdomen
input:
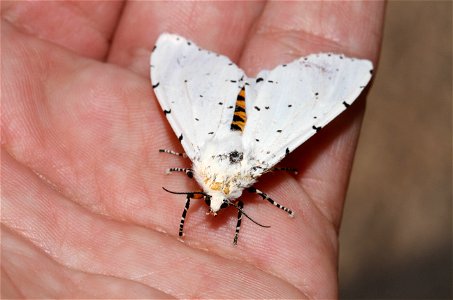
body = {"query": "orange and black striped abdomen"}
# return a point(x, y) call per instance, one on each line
point(239, 117)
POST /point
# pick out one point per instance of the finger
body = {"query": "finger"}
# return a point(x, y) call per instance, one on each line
point(286, 32)
point(84, 27)
point(87, 245)
point(218, 26)
point(282, 34)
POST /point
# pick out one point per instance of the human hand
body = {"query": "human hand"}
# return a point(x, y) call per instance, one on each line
point(83, 212)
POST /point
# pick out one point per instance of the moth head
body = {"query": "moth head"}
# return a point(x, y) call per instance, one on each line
point(216, 201)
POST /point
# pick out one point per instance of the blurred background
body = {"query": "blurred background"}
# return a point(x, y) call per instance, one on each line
point(396, 237)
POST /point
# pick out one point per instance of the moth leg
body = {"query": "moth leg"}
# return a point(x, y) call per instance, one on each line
point(183, 218)
point(292, 170)
point(238, 224)
point(172, 152)
point(188, 171)
point(266, 197)
point(186, 208)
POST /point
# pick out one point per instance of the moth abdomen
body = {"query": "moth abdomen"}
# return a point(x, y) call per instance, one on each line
point(240, 116)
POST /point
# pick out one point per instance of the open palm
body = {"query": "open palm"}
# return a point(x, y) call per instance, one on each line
point(83, 211)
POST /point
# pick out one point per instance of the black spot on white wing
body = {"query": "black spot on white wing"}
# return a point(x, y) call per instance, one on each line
point(283, 66)
point(247, 83)
point(315, 117)
point(185, 80)
point(230, 64)
point(201, 96)
point(270, 81)
point(236, 156)
point(316, 94)
point(279, 131)
point(233, 81)
point(290, 105)
point(230, 107)
point(371, 71)
point(154, 48)
point(257, 140)
point(266, 107)
point(156, 85)
point(196, 119)
point(180, 137)
point(259, 79)
point(346, 104)
point(286, 151)
point(220, 103)
point(189, 43)
point(211, 132)
point(316, 128)
point(167, 111)
point(257, 108)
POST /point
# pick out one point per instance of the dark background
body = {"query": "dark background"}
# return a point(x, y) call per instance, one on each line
point(396, 237)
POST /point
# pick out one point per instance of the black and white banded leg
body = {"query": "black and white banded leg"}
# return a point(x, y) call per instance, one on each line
point(189, 195)
point(172, 152)
point(183, 217)
point(292, 170)
point(266, 197)
point(188, 171)
point(238, 224)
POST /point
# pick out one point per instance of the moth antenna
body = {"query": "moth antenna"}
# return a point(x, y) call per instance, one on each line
point(186, 193)
point(243, 212)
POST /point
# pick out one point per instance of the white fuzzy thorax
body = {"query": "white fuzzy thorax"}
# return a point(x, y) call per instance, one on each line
point(223, 171)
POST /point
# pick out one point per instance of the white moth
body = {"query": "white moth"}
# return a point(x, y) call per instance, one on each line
point(235, 128)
